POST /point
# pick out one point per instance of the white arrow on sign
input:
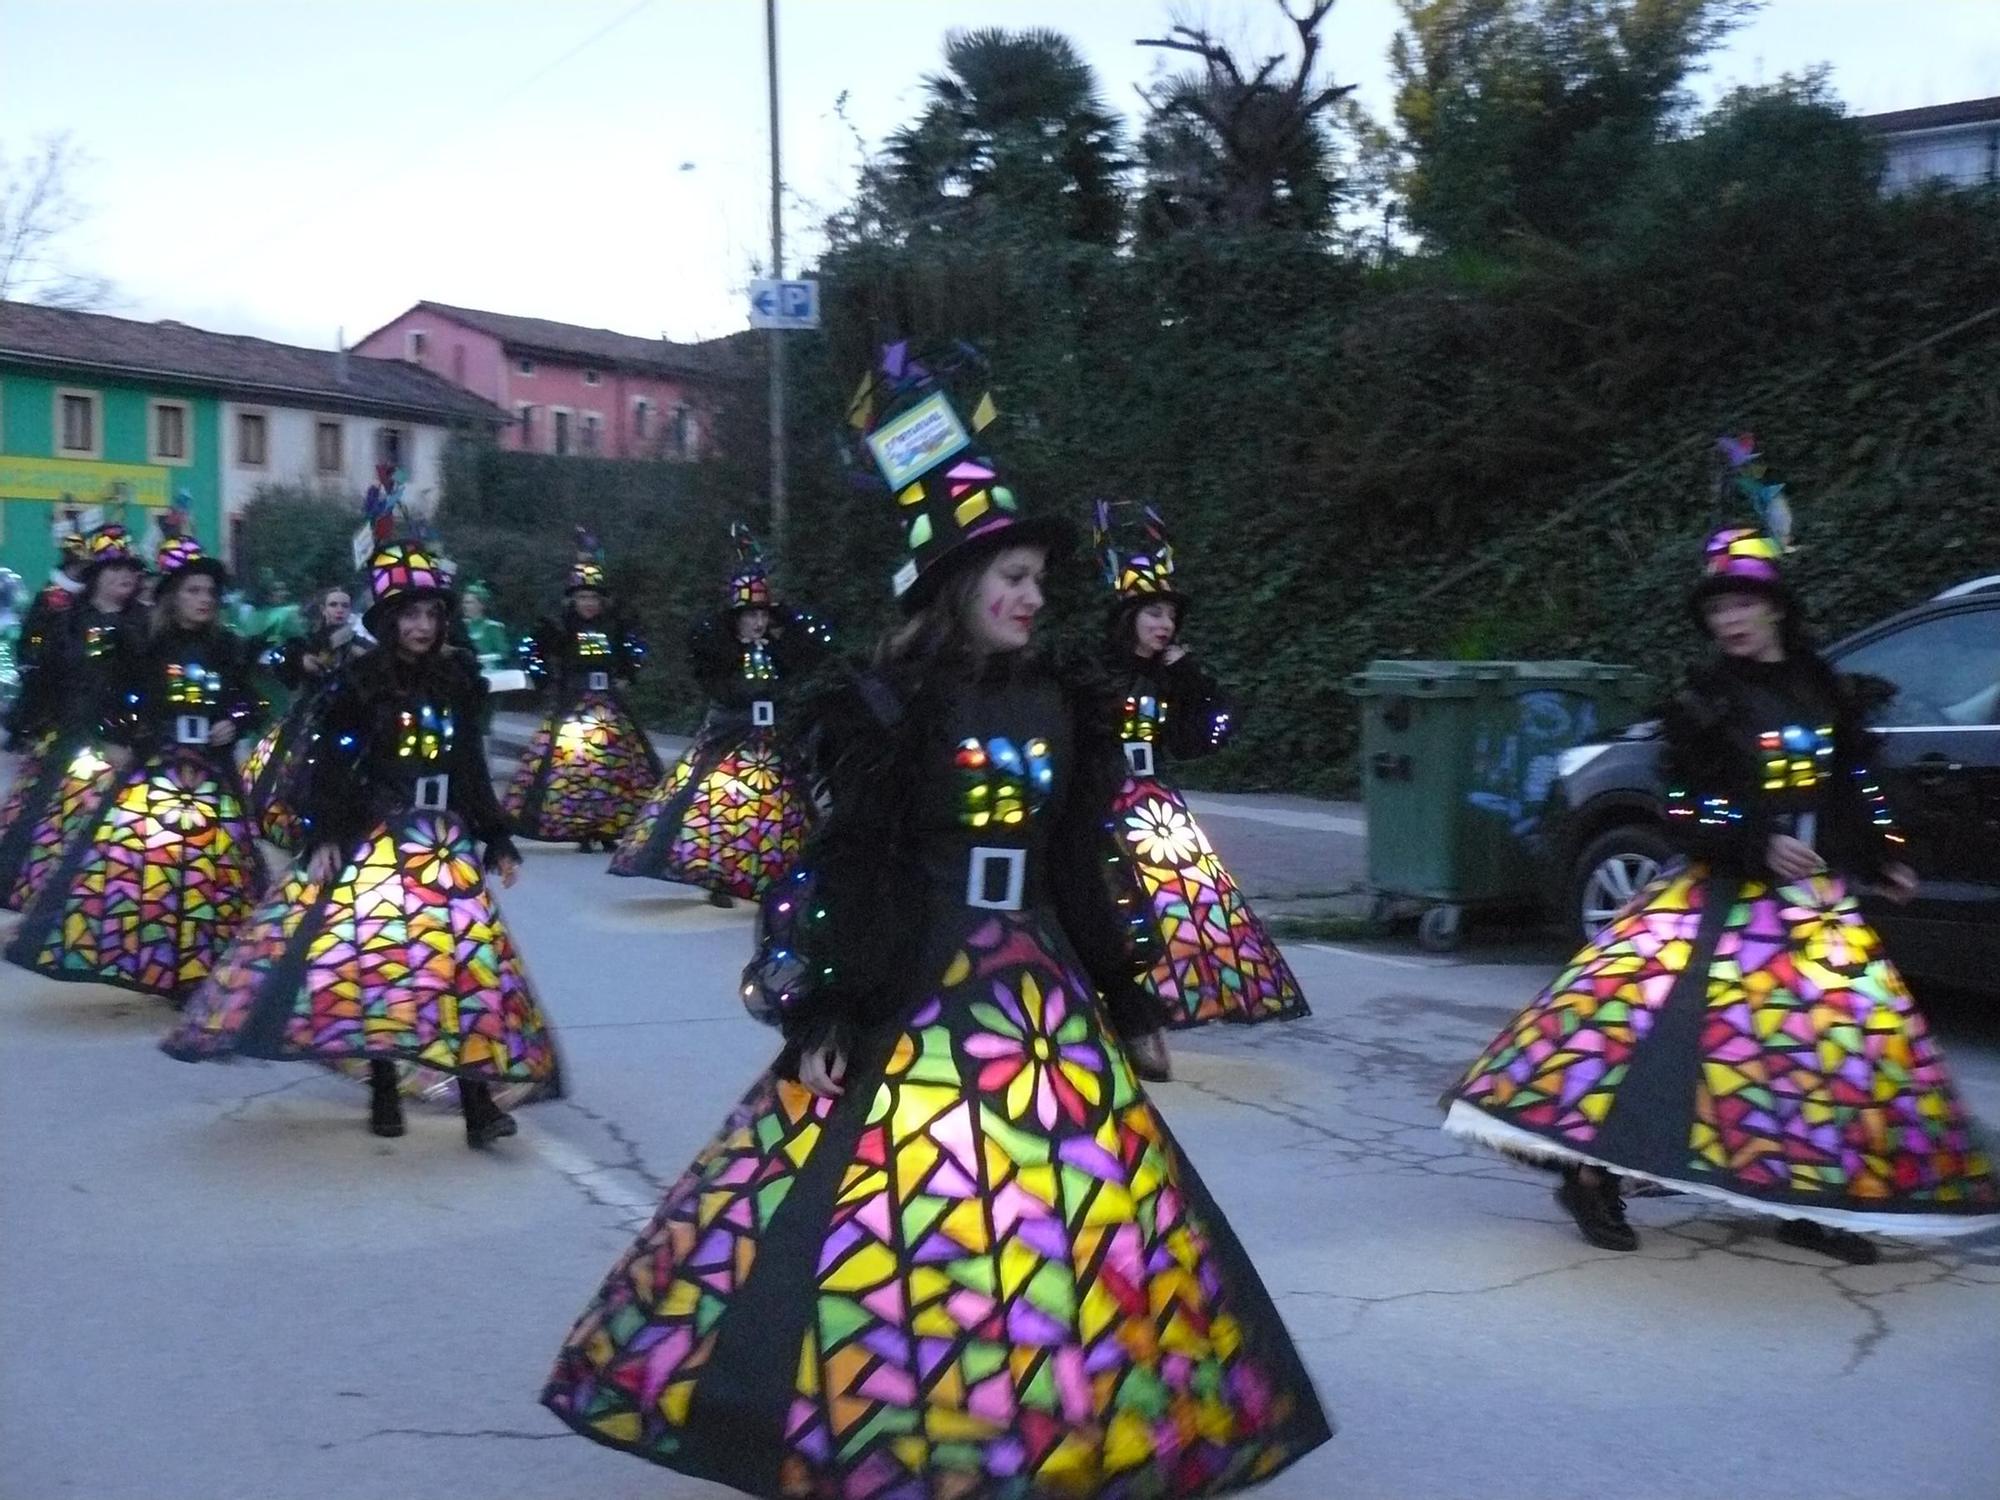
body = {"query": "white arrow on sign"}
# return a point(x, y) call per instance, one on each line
point(784, 304)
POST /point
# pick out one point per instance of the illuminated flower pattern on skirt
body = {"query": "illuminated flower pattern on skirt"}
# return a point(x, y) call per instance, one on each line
point(55, 797)
point(150, 892)
point(1216, 960)
point(986, 1270)
point(274, 772)
point(1777, 1057)
point(731, 816)
point(401, 956)
point(584, 775)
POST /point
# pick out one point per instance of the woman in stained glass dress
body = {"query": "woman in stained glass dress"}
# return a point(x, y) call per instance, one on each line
point(151, 889)
point(386, 945)
point(1214, 960)
point(88, 653)
point(1738, 1032)
point(32, 714)
point(307, 665)
point(589, 767)
point(731, 816)
point(946, 1246)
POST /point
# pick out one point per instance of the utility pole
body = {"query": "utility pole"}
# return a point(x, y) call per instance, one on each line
point(777, 355)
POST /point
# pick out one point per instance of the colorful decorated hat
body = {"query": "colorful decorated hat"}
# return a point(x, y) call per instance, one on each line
point(181, 554)
point(952, 505)
point(1142, 573)
point(401, 572)
point(109, 546)
point(72, 536)
point(1740, 558)
point(750, 582)
point(587, 572)
point(1747, 559)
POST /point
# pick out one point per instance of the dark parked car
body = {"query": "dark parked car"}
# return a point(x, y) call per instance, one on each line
point(1933, 673)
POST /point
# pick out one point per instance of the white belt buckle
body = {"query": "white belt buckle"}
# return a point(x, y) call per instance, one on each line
point(433, 792)
point(600, 682)
point(191, 729)
point(978, 881)
point(1139, 756)
point(763, 713)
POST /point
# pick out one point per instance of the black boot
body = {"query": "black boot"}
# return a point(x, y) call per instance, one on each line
point(385, 1105)
point(1841, 1244)
point(485, 1121)
point(721, 900)
point(1598, 1208)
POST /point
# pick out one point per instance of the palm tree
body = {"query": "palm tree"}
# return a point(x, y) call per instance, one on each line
point(1015, 131)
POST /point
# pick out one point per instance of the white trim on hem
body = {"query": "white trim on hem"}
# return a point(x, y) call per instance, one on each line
point(1466, 1122)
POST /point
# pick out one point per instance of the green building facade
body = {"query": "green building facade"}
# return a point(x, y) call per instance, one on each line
point(92, 439)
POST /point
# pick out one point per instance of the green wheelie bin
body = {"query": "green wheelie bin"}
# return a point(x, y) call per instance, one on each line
point(1456, 762)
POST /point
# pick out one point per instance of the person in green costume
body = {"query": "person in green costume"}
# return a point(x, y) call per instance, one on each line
point(490, 638)
point(277, 620)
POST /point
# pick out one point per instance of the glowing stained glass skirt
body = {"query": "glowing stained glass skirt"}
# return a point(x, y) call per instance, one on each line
point(583, 776)
point(1216, 961)
point(56, 797)
point(985, 1270)
point(149, 893)
point(1746, 1043)
point(729, 817)
point(273, 773)
point(401, 956)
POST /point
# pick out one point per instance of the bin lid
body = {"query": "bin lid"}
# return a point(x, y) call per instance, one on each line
point(1471, 679)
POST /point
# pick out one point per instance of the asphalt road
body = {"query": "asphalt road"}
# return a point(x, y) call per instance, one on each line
point(214, 1283)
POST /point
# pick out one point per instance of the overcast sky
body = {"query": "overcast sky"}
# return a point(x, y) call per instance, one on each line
point(292, 167)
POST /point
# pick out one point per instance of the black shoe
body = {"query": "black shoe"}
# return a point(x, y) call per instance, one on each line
point(721, 900)
point(485, 1121)
point(1599, 1211)
point(1149, 1058)
point(385, 1105)
point(484, 1134)
point(1841, 1244)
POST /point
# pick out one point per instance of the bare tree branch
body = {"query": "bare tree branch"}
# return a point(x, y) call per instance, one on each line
point(36, 211)
point(1265, 152)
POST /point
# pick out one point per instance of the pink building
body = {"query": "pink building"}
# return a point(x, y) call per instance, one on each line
point(571, 390)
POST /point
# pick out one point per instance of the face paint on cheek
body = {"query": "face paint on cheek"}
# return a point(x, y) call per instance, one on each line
point(997, 607)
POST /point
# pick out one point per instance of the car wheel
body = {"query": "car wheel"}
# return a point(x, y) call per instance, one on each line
point(1613, 868)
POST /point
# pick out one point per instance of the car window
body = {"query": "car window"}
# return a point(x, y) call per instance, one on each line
point(1944, 670)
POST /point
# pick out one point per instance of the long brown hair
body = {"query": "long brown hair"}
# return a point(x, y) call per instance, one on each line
point(936, 636)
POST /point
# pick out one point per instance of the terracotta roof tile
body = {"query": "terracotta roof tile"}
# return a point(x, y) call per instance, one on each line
point(717, 359)
point(231, 363)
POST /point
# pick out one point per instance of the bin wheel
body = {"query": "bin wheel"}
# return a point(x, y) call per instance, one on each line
point(1441, 928)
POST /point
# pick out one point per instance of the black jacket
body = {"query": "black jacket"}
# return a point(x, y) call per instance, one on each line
point(40, 702)
point(184, 675)
point(384, 725)
point(286, 660)
point(885, 752)
point(733, 675)
point(564, 652)
point(1754, 749)
point(1177, 707)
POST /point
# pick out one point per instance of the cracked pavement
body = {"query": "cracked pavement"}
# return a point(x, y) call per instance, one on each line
point(214, 1283)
